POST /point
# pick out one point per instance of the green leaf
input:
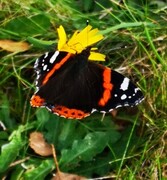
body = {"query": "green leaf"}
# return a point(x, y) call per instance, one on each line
point(10, 152)
point(99, 165)
point(41, 171)
point(71, 131)
point(86, 149)
point(126, 25)
point(113, 136)
point(5, 113)
point(42, 44)
point(24, 26)
point(17, 173)
point(42, 116)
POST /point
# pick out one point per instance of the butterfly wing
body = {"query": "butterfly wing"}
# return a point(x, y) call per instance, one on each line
point(78, 87)
point(122, 93)
point(69, 90)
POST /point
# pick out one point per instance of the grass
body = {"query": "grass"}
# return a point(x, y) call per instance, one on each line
point(131, 145)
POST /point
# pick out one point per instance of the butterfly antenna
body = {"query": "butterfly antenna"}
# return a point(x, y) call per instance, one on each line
point(87, 23)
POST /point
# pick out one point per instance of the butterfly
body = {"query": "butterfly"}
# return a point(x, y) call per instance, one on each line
point(70, 84)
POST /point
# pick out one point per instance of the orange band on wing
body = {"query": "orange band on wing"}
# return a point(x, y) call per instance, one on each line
point(69, 113)
point(56, 67)
point(37, 101)
point(107, 85)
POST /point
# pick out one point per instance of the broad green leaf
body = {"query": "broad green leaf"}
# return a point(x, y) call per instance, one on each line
point(96, 123)
point(113, 136)
point(40, 172)
point(52, 128)
point(10, 151)
point(71, 131)
point(17, 173)
point(42, 115)
point(27, 26)
point(84, 150)
point(50, 124)
point(99, 165)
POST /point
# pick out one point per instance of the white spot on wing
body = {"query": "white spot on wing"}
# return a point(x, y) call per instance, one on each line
point(46, 55)
point(137, 89)
point(93, 110)
point(125, 84)
point(45, 67)
point(38, 76)
point(53, 58)
point(36, 63)
point(124, 96)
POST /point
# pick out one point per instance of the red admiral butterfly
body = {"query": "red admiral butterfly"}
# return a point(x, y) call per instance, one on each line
point(72, 87)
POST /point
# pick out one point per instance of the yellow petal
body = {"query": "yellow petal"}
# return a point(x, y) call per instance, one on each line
point(94, 37)
point(96, 56)
point(67, 48)
point(62, 37)
point(85, 38)
point(73, 38)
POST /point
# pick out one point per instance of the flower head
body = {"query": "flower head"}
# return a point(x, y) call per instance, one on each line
point(80, 41)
